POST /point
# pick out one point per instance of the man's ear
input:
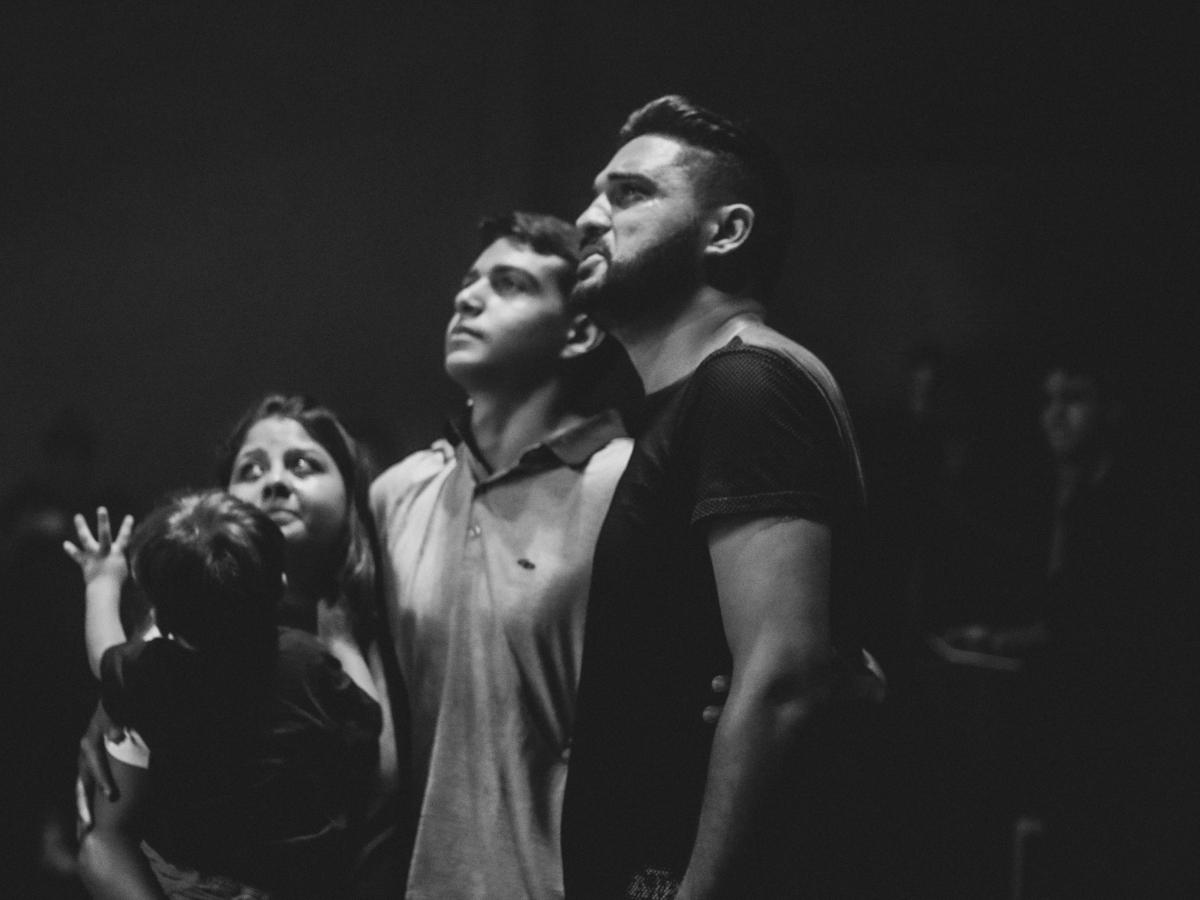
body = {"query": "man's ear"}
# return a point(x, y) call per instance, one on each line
point(731, 227)
point(583, 336)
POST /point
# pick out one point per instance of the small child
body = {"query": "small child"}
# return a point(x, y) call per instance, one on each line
point(260, 746)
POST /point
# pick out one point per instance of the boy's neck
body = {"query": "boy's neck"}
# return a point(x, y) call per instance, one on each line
point(503, 426)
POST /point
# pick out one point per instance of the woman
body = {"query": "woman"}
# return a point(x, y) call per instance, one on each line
point(292, 458)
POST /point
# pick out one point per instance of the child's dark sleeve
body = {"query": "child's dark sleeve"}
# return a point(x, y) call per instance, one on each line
point(127, 680)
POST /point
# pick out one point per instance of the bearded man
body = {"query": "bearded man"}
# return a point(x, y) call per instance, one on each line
point(729, 545)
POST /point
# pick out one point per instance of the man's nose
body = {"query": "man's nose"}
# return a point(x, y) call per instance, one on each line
point(594, 220)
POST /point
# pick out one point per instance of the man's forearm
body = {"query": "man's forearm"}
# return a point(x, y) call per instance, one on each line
point(755, 743)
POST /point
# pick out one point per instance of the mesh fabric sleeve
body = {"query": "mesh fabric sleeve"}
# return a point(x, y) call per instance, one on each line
point(757, 437)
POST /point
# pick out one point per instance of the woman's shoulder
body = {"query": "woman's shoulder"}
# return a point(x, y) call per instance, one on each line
point(297, 647)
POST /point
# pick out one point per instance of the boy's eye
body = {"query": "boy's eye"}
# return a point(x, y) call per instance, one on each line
point(303, 466)
point(506, 284)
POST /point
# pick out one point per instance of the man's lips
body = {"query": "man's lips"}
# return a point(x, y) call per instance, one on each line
point(590, 250)
point(593, 260)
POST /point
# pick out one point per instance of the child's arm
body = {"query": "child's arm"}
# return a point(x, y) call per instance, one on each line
point(111, 861)
point(102, 560)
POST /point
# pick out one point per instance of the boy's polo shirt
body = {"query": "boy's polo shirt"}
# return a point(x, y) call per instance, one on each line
point(486, 577)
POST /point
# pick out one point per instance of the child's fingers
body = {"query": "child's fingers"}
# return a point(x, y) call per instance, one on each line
point(103, 529)
point(86, 541)
point(72, 551)
point(122, 537)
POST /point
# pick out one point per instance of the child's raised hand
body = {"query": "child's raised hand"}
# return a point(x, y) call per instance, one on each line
point(103, 555)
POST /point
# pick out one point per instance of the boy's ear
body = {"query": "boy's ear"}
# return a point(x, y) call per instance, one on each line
point(583, 336)
point(731, 227)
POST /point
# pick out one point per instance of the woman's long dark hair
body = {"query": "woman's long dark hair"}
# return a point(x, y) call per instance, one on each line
point(355, 579)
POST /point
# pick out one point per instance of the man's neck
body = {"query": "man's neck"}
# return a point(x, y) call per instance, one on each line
point(504, 425)
point(665, 352)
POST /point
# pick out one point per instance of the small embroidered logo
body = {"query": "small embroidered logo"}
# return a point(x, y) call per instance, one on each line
point(525, 564)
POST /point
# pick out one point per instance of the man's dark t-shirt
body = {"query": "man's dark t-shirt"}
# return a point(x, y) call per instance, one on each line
point(254, 778)
point(755, 430)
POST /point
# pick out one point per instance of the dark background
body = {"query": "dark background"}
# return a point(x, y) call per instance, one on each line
point(204, 200)
point(201, 201)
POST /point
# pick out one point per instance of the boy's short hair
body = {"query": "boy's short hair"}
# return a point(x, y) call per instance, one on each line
point(212, 567)
point(540, 232)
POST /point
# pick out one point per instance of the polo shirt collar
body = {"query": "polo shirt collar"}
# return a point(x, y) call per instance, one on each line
point(572, 446)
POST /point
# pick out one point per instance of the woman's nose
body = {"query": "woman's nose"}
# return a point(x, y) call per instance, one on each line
point(276, 486)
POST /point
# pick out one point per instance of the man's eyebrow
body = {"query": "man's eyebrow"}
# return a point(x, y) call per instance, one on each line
point(639, 177)
point(607, 177)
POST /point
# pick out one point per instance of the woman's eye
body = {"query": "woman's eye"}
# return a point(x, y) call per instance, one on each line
point(248, 471)
point(303, 466)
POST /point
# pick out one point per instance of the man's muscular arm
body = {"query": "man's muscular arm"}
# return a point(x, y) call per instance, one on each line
point(773, 584)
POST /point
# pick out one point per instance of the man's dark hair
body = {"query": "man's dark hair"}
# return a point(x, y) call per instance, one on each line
point(212, 567)
point(736, 165)
point(542, 233)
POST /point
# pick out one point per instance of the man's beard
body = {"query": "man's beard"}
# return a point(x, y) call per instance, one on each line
point(651, 287)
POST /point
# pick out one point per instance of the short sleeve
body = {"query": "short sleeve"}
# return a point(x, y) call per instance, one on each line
point(125, 674)
point(396, 483)
point(758, 437)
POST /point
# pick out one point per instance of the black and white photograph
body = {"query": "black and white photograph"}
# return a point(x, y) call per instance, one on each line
point(609, 451)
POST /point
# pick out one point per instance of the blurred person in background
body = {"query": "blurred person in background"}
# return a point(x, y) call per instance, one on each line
point(1103, 632)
